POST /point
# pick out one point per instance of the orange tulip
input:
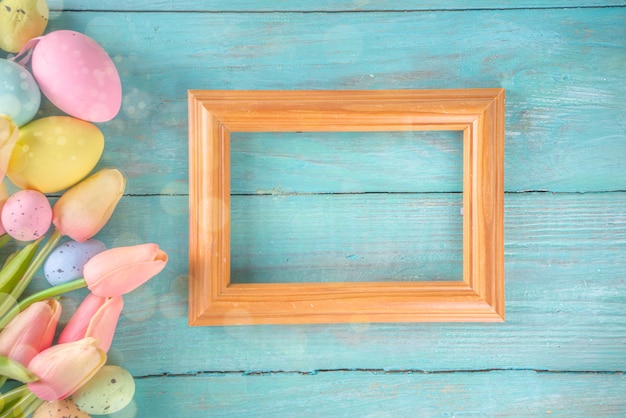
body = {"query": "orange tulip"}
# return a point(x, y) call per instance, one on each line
point(9, 133)
point(4, 196)
point(85, 208)
point(120, 270)
point(96, 317)
point(63, 368)
point(31, 331)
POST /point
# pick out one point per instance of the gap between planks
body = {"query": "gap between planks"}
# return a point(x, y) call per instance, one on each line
point(511, 192)
point(373, 371)
point(234, 11)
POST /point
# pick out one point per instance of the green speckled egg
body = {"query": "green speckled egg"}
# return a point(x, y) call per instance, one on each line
point(109, 391)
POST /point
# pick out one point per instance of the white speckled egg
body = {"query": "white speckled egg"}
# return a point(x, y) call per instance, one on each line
point(26, 215)
point(109, 391)
point(66, 262)
point(60, 408)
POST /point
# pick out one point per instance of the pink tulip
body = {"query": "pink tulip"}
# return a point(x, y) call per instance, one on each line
point(31, 331)
point(63, 368)
point(120, 270)
point(96, 317)
point(85, 208)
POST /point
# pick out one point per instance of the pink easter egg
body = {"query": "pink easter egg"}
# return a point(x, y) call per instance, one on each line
point(26, 215)
point(77, 76)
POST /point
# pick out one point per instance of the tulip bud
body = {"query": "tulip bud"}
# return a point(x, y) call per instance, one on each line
point(9, 133)
point(85, 208)
point(120, 270)
point(31, 331)
point(4, 196)
point(63, 368)
point(95, 317)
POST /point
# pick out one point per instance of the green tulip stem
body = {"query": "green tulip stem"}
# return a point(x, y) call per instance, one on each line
point(42, 295)
point(36, 264)
point(4, 239)
point(50, 293)
point(7, 400)
point(23, 407)
point(7, 301)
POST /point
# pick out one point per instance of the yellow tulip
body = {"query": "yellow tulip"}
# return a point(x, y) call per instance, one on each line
point(63, 368)
point(85, 208)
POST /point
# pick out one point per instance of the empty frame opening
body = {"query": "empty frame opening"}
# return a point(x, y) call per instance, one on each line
point(346, 206)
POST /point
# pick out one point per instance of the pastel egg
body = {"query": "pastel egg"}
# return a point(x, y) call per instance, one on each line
point(66, 262)
point(77, 76)
point(26, 215)
point(20, 21)
point(54, 153)
point(61, 408)
point(19, 95)
point(110, 390)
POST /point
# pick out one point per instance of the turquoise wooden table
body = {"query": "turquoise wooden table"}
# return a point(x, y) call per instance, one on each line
point(332, 206)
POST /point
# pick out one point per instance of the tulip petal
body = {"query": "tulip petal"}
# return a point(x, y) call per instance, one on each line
point(63, 368)
point(85, 208)
point(31, 331)
point(9, 133)
point(120, 270)
point(77, 325)
point(103, 324)
point(95, 317)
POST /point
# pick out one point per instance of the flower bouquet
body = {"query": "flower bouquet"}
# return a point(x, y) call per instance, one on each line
point(47, 371)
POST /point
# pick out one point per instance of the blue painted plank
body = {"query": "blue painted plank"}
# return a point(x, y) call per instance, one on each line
point(363, 162)
point(565, 293)
point(256, 6)
point(353, 237)
point(369, 394)
point(565, 108)
point(565, 269)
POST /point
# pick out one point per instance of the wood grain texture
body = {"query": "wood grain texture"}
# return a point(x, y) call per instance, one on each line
point(562, 69)
point(346, 162)
point(565, 291)
point(373, 394)
point(256, 6)
point(375, 237)
point(214, 114)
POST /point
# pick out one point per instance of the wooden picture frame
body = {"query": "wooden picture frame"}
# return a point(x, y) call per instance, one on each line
point(213, 115)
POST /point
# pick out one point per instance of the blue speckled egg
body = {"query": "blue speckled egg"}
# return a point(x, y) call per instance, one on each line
point(19, 94)
point(66, 262)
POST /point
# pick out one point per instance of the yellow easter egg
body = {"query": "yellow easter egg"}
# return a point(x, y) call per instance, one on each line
point(20, 21)
point(54, 153)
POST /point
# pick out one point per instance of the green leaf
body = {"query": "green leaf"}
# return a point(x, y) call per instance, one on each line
point(20, 402)
point(4, 240)
point(9, 399)
point(16, 266)
point(14, 370)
